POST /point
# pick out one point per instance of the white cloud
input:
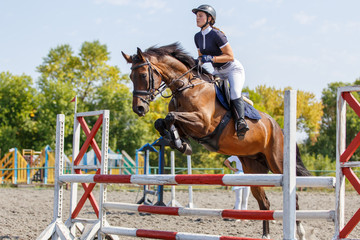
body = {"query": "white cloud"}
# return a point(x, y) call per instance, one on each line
point(154, 5)
point(229, 12)
point(353, 25)
point(303, 18)
point(259, 23)
point(98, 21)
point(266, 1)
point(330, 27)
point(159, 4)
point(113, 2)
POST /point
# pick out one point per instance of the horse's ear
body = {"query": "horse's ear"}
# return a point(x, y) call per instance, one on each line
point(140, 54)
point(128, 58)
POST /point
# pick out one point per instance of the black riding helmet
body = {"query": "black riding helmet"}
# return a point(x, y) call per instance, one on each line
point(209, 10)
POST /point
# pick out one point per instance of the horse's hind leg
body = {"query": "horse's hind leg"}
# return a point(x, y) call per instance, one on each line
point(299, 227)
point(276, 167)
point(264, 204)
point(257, 165)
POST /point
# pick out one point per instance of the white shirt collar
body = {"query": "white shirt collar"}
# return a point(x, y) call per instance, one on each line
point(206, 31)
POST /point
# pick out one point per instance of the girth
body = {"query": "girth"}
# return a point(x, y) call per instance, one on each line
point(211, 141)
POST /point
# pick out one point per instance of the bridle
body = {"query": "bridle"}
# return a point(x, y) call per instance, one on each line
point(152, 92)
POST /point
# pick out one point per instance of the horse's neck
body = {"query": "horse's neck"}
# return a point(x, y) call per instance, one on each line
point(177, 75)
point(177, 79)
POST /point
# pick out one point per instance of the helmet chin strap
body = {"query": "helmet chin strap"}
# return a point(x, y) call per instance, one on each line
point(207, 22)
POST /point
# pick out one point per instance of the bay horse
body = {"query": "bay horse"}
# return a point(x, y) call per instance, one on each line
point(194, 112)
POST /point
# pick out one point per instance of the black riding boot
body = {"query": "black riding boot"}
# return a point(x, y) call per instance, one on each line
point(237, 107)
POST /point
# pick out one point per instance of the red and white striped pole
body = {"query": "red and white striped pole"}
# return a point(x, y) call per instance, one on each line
point(133, 232)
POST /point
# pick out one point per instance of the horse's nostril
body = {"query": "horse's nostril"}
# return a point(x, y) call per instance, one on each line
point(140, 110)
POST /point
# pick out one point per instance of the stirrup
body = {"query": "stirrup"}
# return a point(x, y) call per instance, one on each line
point(241, 127)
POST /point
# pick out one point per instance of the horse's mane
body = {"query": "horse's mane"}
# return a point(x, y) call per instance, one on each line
point(175, 50)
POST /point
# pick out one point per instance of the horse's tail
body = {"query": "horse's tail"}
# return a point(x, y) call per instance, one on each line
point(300, 167)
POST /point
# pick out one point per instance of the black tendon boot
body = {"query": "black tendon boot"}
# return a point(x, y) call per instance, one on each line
point(237, 107)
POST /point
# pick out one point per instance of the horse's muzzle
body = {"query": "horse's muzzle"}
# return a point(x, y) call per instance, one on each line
point(140, 110)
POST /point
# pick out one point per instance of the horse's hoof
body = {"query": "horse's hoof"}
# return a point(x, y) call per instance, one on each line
point(266, 237)
point(187, 150)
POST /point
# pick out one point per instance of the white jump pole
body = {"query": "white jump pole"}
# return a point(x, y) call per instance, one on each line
point(340, 148)
point(57, 229)
point(74, 186)
point(146, 172)
point(173, 202)
point(289, 174)
point(104, 170)
point(191, 201)
point(59, 166)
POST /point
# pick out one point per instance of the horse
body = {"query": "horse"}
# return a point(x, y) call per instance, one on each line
point(195, 112)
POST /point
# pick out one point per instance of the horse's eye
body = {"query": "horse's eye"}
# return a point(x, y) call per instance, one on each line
point(143, 75)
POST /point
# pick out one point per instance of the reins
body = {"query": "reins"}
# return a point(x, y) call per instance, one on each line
point(152, 92)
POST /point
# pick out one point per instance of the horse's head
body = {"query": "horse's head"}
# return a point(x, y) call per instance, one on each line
point(146, 81)
point(156, 69)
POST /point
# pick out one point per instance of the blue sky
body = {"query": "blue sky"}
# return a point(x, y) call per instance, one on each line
point(302, 44)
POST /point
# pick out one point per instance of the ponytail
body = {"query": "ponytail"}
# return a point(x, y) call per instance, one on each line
point(216, 28)
point(212, 22)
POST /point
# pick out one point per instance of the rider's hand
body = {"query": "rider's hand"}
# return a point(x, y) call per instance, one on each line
point(198, 62)
point(206, 58)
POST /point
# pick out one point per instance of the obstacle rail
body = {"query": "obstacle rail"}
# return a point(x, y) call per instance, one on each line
point(264, 180)
point(101, 228)
point(133, 232)
point(220, 213)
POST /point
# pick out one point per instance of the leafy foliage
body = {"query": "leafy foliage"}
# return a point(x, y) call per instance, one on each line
point(326, 142)
point(18, 102)
point(271, 101)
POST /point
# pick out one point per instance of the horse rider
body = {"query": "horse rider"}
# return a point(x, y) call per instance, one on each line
point(213, 47)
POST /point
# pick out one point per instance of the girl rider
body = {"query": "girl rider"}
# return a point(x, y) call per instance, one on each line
point(213, 47)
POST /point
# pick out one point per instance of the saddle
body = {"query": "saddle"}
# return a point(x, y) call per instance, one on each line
point(222, 88)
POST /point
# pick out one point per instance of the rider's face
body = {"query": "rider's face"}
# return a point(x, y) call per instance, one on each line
point(200, 18)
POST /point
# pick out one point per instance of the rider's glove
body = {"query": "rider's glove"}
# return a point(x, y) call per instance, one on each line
point(197, 62)
point(206, 58)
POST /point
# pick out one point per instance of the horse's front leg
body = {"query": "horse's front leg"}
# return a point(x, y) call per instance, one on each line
point(168, 132)
point(160, 126)
point(194, 123)
point(177, 140)
point(190, 121)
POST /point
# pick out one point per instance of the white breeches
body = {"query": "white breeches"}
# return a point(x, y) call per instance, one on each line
point(235, 73)
point(241, 197)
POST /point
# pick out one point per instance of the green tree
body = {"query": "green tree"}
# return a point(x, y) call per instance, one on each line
point(271, 101)
point(18, 102)
point(127, 131)
point(98, 86)
point(326, 142)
